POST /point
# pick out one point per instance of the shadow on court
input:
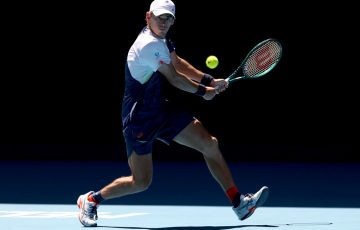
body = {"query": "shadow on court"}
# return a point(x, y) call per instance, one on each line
point(196, 227)
point(224, 227)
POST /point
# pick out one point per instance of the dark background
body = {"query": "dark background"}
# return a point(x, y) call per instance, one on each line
point(62, 80)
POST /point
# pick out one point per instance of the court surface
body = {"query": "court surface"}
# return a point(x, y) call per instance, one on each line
point(178, 217)
point(42, 195)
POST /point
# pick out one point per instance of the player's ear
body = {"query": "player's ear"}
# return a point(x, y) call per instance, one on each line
point(148, 15)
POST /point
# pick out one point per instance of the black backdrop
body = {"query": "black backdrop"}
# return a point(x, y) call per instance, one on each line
point(62, 80)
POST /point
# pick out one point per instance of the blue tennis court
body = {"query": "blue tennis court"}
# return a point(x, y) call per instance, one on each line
point(42, 195)
point(178, 217)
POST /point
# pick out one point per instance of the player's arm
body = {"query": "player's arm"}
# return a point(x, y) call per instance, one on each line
point(184, 67)
point(181, 81)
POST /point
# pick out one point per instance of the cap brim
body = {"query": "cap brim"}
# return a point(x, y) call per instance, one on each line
point(162, 11)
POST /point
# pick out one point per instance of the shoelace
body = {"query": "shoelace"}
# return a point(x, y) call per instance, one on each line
point(91, 211)
point(251, 202)
point(249, 195)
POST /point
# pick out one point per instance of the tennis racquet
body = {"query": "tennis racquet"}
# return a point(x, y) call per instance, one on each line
point(259, 61)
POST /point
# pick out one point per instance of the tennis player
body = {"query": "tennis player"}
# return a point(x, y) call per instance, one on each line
point(148, 115)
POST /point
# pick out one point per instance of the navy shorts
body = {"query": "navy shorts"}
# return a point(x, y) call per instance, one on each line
point(146, 127)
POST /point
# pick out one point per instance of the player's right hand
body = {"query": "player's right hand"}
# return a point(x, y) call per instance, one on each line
point(220, 85)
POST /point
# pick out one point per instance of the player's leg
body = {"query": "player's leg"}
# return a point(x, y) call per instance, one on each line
point(197, 137)
point(141, 167)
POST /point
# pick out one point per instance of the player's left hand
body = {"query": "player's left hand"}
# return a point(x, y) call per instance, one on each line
point(210, 93)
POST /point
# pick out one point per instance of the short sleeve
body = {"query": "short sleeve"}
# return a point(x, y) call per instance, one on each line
point(154, 55)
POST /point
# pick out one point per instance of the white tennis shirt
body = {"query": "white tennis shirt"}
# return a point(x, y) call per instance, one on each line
point(146, 55)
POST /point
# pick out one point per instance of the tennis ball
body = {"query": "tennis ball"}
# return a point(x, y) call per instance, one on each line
point(212, 62)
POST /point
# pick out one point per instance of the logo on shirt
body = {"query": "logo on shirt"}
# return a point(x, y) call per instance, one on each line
point(157, 54)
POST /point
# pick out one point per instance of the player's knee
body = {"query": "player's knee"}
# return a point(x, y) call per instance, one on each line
point(143, 183)
point(211, 145)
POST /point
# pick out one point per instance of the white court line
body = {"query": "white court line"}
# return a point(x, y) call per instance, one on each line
point(45, 215)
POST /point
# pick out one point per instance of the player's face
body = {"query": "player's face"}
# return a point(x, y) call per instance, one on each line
point(160, 25)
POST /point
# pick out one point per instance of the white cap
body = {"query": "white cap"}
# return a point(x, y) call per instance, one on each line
point(159, 7)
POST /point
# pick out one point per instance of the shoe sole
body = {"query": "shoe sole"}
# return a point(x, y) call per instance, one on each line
point(263, 196)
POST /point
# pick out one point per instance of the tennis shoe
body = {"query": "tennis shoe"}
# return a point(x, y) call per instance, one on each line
point(250, 202)
point(88, 210)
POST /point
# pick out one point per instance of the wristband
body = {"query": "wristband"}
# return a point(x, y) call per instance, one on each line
point(201, 90)
point(206, 79)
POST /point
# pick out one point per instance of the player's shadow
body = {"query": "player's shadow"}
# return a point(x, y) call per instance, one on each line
point(224, 227)
point(196, 227)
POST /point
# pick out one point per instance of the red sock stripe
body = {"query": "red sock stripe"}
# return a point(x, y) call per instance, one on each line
point(231, 193)
point(91, 199)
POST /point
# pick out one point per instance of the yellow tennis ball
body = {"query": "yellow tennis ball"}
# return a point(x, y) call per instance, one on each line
point(212, 62)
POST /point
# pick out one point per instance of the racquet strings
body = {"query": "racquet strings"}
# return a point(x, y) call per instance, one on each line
point(262, 59)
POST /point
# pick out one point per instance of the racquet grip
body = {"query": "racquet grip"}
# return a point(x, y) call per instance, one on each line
point(226, 79)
